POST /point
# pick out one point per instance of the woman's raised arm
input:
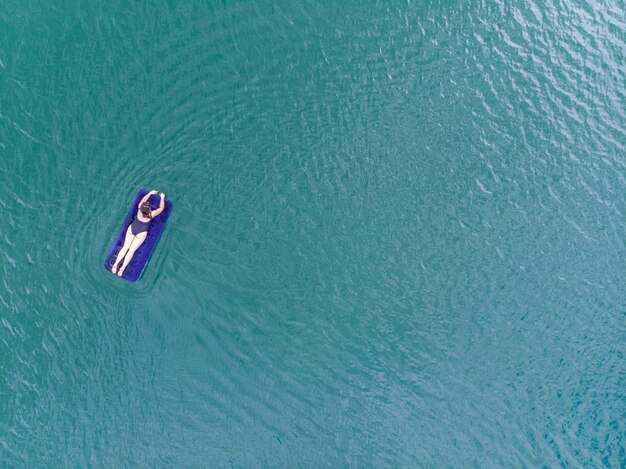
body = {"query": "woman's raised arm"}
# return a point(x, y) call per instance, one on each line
point(158, 211)
point(146, 197)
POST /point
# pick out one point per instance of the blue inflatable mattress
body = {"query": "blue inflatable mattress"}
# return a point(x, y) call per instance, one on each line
point(139, 261)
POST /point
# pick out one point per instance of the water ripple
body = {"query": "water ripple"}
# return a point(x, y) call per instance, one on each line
point(396, 238)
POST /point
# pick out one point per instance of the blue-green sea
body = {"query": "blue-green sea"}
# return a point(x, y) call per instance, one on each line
point(397, 238)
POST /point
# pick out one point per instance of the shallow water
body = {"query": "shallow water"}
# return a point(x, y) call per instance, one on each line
point(397, 239)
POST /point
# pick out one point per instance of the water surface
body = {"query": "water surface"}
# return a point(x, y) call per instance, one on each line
point(397, 238)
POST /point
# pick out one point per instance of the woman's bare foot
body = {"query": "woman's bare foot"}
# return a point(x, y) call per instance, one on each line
point(120, 272)
point(114, 269)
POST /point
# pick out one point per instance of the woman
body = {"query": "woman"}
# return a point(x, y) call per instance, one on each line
point(137, 231)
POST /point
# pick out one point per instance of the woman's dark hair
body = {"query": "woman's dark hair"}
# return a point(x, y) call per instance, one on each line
point(146, 208)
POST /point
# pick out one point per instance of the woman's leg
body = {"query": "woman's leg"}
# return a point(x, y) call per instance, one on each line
point(137, 241)
point(120, 255)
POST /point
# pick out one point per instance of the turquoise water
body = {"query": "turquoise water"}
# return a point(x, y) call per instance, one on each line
point(397, 240)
